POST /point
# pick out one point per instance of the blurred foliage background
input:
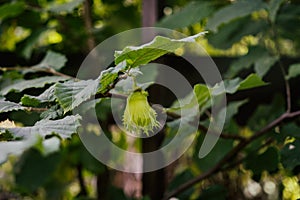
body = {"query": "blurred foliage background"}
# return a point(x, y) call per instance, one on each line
point(245, 36)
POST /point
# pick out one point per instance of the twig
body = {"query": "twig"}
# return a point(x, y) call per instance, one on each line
point(231, 154)
point(204, 129)
point(56, 73)
point(29, 109)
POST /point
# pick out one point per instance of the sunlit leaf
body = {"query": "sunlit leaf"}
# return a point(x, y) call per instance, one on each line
point(32, 83)
point(72, 93)
point(159, 46)
point(252, 81)
point(66, 7)
point(63, 127)
point(6, 106)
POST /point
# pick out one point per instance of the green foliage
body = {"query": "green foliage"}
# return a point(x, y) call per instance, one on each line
point(289, 157)
point(52, 60)
point(216, 192)
point(72, 93)
point(66, 7)
point(294, 71)
point(234, 11)
point(40, 82)
point(10, 10)
point(192, 13)
point(6, 106)
point(137, 56)
point(63, 127)
point(260, 138)
point(268, 161)
point(29, 176)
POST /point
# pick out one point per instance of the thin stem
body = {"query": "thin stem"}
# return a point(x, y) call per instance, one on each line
point(204, 129)
point(83, 189)
point(47, 70)
point(29, 109)
point(231, 154)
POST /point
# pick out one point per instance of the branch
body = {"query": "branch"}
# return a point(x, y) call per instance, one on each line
point(29, 109)
point(204, 129)
point(47, 70)
point(88, 24)
point(231, 154)
point(83, 189)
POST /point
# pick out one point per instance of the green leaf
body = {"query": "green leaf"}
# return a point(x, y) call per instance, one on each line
point(178, 180)
point(202, 94)
point(53, 112)
point(237, 9)
point(33, 170)
point(72, 93)
point(215, 192)
point(6, 106)
point(237, 84)
point(294, 71)
point(246, 61)
point(257, 56)
point(221, 148)
point(264, 114)
point(264, 63)
point(31, 42)
point(192, 13)
point(107, 77)
point(52, 60)
point(291, 130)
point(231, 110)
point(10, 10)
point(15, 147)
point(234, 31)
point(159, 46)
point(46, 96)
point(288, 131)
point(50, 146)
point(266, 161)
point(27, 101)
point(290, 155)
point(66, 7)
point(32, 83)
point(63, 127)
point(274, 6)
point(252, 81)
